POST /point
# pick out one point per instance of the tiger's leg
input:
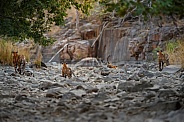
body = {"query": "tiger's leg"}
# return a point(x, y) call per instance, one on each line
point(19, 68)
point(22, 66)
point(15, 67)
point(136, 57)
point(160, 65)
point(63, 73)
point(69, 73)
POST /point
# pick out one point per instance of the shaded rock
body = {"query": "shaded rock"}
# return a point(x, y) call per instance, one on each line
point(165, 106)
point(101, 96)
point(56, 92)
point(28, 73)
point(68, 96)
point(21, 97)
point(175, 116)
point(167, 93)
point(105, 72)
point(154, 88)
point(125, 86)
point(85, 107)
point(141, 86)
point(171, 69)
point(133, 77)
point(78, 92)
point(61, 110)
point(92, 90)
point(143, 73)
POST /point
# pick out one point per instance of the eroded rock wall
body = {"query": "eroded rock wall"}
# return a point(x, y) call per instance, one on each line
point(122, 42)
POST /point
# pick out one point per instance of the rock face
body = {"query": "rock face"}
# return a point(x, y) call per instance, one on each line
point(122, 42)
point(131, 93)
point(79, 43)
point(131, 40)
point(114, 42)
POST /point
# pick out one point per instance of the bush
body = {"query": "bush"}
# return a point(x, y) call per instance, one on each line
point(6, 48)
point(5, 52)
point(175, 51)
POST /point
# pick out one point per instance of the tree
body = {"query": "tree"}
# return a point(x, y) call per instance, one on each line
point(32, 18)
point(145, 7)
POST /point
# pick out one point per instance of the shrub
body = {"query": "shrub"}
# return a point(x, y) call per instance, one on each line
point(37, 61)
point(6, 48)
point(175, 51)
point(5, 52)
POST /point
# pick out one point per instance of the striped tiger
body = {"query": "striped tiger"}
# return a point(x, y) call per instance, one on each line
point(19, 62)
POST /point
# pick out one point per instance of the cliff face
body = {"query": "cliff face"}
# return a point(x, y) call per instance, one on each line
point(123, 41)
point(115, 43)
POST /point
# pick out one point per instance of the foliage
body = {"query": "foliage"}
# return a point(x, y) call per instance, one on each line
point(175, 51)
point(171, 46)
point(145, 7)
point(32, 18)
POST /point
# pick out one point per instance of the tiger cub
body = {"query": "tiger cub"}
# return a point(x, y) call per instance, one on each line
point(66, 71)
point(109, 64)
point(162, 58)
point(19, 62)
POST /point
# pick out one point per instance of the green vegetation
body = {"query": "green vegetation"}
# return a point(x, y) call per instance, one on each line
point(171, 46)
point(22, 19)
point(146, 8)
point(175, 51)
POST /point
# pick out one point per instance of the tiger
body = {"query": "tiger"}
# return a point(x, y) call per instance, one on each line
point(109, 64)
point(19, 62)
point(66, 71)
point(162, 59)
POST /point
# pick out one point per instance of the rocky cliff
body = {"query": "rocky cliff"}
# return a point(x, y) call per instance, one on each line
point(120, 41)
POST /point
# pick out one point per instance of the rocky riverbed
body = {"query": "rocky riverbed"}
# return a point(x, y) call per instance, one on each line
point(135, 92)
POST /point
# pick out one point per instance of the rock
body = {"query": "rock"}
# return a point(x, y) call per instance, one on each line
point(125, 86)
point(100, 97)
point(143, 73)
point(154, 96)
point(165, 106)
point(141, 86)
point(133, 77)
point(89, 62)
point(171, 69)
point(69, 96)
point(105, 72)
point(79, 92)
point(175, 116)
point(56, 92)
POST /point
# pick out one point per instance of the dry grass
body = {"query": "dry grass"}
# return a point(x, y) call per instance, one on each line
point(175, 51)
point(6, 48)
point(25, 52)
point(38, 60)
point(5, 52)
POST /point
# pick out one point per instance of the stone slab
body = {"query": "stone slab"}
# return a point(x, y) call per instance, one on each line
point(171, 69)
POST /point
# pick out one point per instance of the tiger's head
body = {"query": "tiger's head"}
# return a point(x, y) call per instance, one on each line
point(64, 65)
point(15, 53)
